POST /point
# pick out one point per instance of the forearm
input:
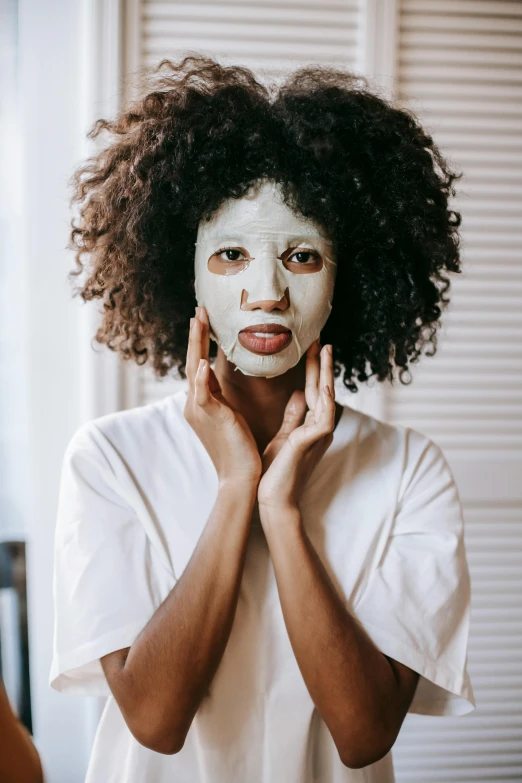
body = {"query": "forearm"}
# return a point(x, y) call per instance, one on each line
point(350, 681)
point(170, 665)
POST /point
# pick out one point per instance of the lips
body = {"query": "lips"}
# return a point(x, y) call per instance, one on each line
point(271, 328)
point(265, 345)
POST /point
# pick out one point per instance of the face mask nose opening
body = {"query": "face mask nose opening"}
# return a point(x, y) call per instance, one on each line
point(283, 303)
point(268, 287)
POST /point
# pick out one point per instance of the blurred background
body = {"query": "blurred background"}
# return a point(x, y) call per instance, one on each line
point(458, 64)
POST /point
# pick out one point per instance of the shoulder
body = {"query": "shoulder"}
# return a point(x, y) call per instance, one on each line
point(412, 470)
point(138, 428)
point(393, 438)
point(398, 452)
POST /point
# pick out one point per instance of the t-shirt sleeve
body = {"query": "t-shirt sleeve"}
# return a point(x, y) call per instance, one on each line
point(105, 586)
point(416, 606)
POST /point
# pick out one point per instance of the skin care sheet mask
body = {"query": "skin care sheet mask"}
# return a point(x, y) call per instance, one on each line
point(258, 262)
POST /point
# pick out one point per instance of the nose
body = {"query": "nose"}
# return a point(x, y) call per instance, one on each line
point(266, 285)
point(266, 304)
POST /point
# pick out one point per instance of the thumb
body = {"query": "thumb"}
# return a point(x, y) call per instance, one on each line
point(213, 383)
point(294, 414)
point(293, 417)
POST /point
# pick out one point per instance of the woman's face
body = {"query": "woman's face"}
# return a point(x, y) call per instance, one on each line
point(259, 265)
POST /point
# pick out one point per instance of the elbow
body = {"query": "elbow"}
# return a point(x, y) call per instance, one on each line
point(363, 756)
point(155, 730)
point(168, 746)
point(153, 724)
point(159, 740)
point(358, 761)
point(353, 762)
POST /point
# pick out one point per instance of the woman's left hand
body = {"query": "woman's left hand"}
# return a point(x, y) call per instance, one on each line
point(296, 449)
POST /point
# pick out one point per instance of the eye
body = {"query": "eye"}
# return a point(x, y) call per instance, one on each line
point(305, 257)
point(230, 254)
point(229, 261)
point(303, 260)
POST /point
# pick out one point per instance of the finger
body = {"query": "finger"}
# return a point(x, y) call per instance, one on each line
point(318, 424)
point(202, 314)
point(326, 377)
point(292, 418)
point(201, 390)
point(312, 374)
point(327, 419)
point(319, 401)
point(202, 395)
point(193, 352)
point(214, 384)
point(294, 413)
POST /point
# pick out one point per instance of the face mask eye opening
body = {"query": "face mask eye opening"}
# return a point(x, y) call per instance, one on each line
point(314, 262)
point(220, 262)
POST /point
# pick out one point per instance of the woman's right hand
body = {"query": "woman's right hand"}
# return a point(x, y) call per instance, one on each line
point(223, 431)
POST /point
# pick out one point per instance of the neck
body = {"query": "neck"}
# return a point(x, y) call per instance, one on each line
point(262, 401)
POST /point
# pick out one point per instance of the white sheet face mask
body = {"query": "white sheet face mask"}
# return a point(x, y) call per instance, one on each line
point(258, 262)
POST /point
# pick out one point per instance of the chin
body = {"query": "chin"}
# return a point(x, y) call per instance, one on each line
point(262, 373)
point(263, 366)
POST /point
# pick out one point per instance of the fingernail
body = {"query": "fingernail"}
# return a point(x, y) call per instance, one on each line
point(191, 324)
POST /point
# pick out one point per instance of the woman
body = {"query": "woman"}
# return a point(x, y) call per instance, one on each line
point(263, 581)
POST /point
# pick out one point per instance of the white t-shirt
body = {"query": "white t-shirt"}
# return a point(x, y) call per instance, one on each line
point(382, 511)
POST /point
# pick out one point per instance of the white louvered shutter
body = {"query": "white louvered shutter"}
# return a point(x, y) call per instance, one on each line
point(263, 36)
point(460, 67)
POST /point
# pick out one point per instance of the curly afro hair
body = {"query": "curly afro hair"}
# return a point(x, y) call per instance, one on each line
point(344, 156)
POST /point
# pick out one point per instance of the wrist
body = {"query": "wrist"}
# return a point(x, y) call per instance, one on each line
point(285, 515)
point(238, 489)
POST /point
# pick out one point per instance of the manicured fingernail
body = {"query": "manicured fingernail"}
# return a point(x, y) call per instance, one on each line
point(191, 324)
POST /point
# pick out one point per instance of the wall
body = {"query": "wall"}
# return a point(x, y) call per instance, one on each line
point(52, 133)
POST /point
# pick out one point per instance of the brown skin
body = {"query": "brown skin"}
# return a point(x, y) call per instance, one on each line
point(264, 446)
point(19, 759)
